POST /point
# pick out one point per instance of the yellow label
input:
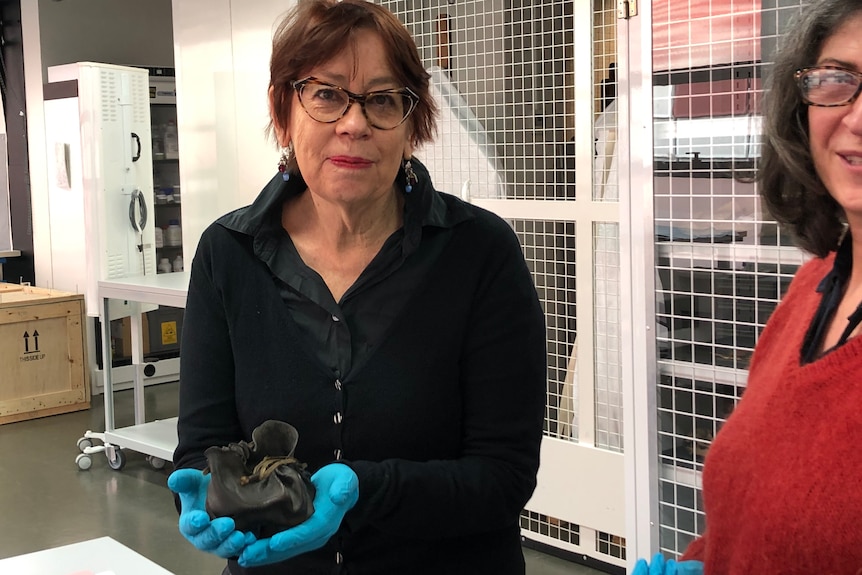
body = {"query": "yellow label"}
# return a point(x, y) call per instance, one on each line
point(169, 332)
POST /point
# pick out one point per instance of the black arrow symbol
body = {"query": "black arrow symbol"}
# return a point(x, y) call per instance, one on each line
point(26, 342)
point(36, 340)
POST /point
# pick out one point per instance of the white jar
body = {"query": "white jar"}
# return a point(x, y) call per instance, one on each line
point(165, 266)
point(178, 263)
point(160, 237)
point(173, 234)
point(158, 142)
point(172, 144)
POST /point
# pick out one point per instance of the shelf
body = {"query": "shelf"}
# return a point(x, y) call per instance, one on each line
point(704, 372)
point(707, 255)
point(157, 438)
point(169, 205)
point(681, 475)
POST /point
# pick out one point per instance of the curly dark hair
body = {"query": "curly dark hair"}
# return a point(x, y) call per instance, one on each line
point(315, 31)
point(791, 189)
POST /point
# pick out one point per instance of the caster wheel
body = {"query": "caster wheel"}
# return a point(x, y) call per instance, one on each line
point(116, 458)
point(156, 462)
point(84, 443)
point(84, 461)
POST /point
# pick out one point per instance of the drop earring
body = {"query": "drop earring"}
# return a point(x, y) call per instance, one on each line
point(283, 158)
point(411, 176)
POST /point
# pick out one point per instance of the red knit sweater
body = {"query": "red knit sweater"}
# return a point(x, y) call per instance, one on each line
point(782, 482)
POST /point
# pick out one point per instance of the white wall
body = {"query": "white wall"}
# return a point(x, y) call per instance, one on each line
point(129, 32)
point(222, 61)
point(220, 49)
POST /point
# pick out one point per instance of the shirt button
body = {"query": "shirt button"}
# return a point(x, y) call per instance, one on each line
point(337, 454)
point(335, 318)
point(337, 417)
point(339, 558)
point(338, 384)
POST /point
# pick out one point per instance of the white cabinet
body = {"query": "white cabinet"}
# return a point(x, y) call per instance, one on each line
point(97, 120)
point(167, 191)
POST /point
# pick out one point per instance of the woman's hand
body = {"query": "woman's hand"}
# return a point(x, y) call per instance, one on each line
point(218, 536)
point(658, 566)
point(337, 492)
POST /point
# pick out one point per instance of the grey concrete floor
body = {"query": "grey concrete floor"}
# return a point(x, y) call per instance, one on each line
point(46, 501)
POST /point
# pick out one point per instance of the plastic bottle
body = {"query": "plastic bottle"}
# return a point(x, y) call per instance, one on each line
point(158, 142)
point(178, 263)
point(172, 144)
point(160, 237)
point(174, 234)
point(165, 266)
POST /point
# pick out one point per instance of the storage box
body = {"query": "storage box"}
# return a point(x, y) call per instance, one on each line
point(122, 344)
point(43, 367)
point(165, 327)
point(160, 330)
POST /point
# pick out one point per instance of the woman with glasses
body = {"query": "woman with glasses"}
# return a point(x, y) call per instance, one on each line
point(780, 482)
point(396, 327)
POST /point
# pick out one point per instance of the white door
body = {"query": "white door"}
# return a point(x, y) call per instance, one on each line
point(720, 263)
point(520, 89)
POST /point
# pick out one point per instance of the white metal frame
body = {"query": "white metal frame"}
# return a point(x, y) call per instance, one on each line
point(641, 471)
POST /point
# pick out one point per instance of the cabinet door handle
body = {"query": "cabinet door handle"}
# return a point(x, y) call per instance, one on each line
point(137, 155)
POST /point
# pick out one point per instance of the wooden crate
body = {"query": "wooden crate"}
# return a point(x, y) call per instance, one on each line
point(43, 359)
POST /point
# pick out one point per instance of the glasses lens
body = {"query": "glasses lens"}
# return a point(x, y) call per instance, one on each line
point(387, 110)
point(828, 87)
point(323, 103)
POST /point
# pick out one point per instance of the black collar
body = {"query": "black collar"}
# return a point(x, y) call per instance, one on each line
point(832, 287)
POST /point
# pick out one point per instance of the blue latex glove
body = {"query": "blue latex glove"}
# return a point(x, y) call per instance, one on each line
point(218, 536)
point(658, 566)
point(337, 490)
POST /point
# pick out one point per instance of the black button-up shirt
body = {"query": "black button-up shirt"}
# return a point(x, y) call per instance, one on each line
point(344, 333)
point(832, 287)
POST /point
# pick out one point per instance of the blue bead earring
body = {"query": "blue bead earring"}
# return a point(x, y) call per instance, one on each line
point(410, 175)
point(282, 162)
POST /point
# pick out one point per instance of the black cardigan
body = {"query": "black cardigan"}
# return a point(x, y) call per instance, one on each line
point(442, 424)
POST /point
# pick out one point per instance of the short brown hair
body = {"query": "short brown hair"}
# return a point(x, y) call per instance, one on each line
point(315, 31)
point(792, 191)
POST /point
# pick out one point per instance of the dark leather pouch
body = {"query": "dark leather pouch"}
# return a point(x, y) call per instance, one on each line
point(259, 483)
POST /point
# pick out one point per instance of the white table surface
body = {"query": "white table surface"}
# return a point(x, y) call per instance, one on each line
point(102, 556)
point(162, 289)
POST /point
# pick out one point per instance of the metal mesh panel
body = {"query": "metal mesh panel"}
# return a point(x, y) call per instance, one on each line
point(612, 545)
point(606, 348)
point(506, 90)
point(551, 527)
point(605, 187)
point(721, 262)
point(549, 248)
point(503, 74)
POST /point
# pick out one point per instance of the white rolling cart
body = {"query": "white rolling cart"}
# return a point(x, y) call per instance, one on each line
point(156, 439)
